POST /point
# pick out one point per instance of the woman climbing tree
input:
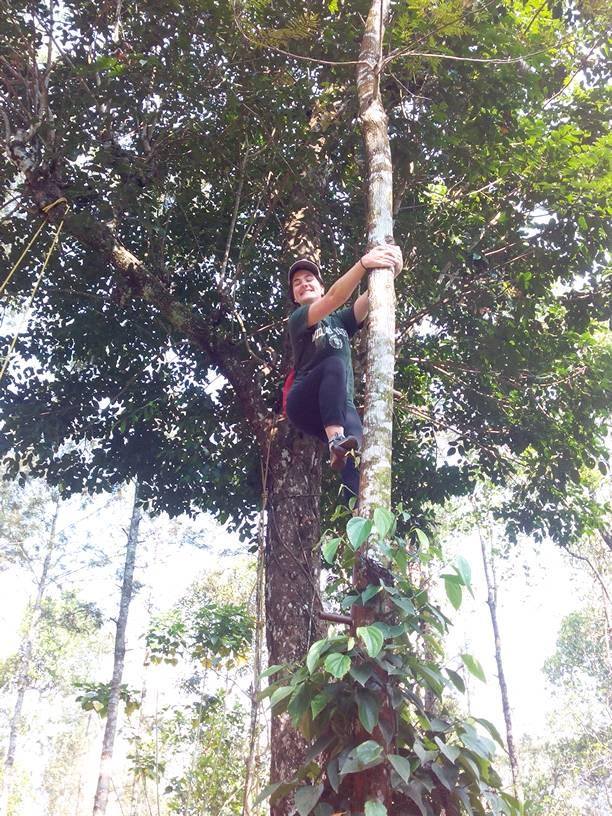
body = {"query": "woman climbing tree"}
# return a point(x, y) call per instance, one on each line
point(320, 399)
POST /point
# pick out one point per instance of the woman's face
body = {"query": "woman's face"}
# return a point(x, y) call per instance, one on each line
point(306, 288)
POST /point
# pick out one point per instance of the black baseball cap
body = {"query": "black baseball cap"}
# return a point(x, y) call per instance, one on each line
point(307, 264)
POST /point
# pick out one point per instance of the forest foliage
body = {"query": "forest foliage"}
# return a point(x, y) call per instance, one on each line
point(175, 143)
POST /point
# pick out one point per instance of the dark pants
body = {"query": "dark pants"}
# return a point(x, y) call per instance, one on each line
point(319, 400)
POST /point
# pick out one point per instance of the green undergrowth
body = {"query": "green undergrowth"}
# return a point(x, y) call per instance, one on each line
point(377, 695)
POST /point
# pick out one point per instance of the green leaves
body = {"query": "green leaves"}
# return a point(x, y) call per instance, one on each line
point(451, 752)
point(453, 590)
point(272, 670)
point(373, 808)
point(351, 680)
point(457, 680)
point(383, 521)
point(337, 664)
point(372, 637)
point(329, 548)
point(401, 765)
point(474, 667)
point(464, 570)
point(367, 706)
point(367, 755)
point(280, 694)
point(307, 797)
point(358, 529)
point(314, 653)
point(453, 583)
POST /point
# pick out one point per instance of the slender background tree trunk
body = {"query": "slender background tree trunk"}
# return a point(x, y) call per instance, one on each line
point(260, 622)
point(108, 740)
point(25, 659)
point(489, 571)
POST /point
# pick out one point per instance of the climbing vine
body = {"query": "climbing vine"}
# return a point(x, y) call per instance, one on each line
point(359, 696)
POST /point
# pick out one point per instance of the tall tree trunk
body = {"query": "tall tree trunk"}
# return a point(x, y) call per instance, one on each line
point(292, 566)
point(292, 577)
point(375, 489)
point(25, 659)
point(375, 481)
point(134, 798)
point(110, 729)
point(489, 571)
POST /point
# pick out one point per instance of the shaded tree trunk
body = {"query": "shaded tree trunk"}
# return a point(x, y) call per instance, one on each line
point(25, 659)
point(108, 740)
point(489, 571)
point(292, 577)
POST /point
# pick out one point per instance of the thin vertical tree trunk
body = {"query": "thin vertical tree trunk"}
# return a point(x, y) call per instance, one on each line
point(489, 571)
point(375, 483)
point(260, 615)
point(108, 741)
point(375, 488)
point(134, 798)
point(25, 659)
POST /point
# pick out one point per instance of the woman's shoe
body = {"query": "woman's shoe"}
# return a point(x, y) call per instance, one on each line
point(339, 446)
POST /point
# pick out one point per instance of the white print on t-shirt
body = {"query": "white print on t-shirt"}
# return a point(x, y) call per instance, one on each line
point(334, 335)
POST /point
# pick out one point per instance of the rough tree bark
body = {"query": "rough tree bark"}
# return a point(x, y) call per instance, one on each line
point(292, 585)
point(108, 740)
point(25, 659)
point(491, 581)
point(293, 530)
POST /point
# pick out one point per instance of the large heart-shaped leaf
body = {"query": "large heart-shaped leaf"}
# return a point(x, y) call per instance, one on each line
point(367, 755)
point(372, 637)
point(358, 529)
point(315, 652)
point(307, 797)
point(337, 664)
point(383, 521)
point(401, 765)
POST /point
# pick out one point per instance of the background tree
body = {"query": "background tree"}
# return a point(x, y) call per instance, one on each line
point(112, 708)
point(58, 627)
point(570, 770)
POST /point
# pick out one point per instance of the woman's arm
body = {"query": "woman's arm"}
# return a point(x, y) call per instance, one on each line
point(380, 257)
point(362, 304)
point(361, 307)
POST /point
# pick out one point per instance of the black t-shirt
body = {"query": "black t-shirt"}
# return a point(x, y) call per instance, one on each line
point(327, 338)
